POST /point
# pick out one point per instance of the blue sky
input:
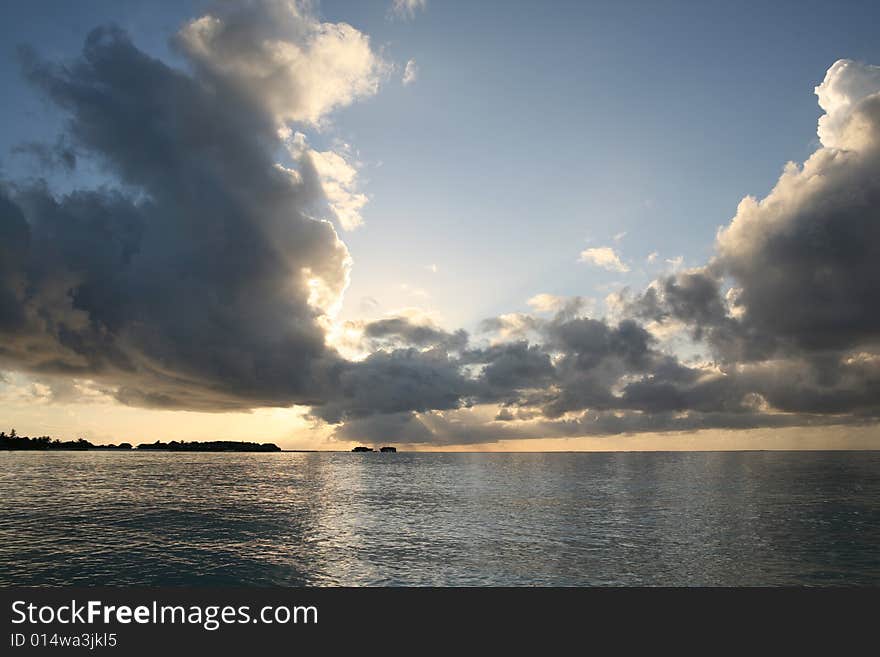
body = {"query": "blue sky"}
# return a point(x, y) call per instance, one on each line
point(533, 131)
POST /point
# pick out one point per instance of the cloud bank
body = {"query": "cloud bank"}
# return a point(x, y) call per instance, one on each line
point(200, 279)
point(204, 275)
point(786, 309)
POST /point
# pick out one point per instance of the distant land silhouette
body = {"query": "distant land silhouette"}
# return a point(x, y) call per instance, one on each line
point(370, 449)
point(16, 442)
point(210, 446)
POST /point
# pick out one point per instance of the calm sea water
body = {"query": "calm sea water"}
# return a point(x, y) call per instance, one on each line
point(759, 518)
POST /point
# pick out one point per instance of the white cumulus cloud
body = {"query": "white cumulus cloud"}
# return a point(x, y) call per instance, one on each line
point(337, 174)
point(805, 256)
point(604, 257)
point(846, 84)
point(410, 72)
point(546, 303)
point(406, 9)
point(284, 58)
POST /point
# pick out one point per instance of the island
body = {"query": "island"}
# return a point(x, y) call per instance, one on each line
point(389, 450)
point(209, 446)
point(362, 449)
point(13, 441)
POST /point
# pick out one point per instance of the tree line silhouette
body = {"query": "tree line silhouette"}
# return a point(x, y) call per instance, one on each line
point(13, 441)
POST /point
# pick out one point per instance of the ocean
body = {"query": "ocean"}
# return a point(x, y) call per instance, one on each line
point(444, 519)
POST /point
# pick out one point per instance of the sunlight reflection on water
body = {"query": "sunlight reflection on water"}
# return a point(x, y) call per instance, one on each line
point(440, 519)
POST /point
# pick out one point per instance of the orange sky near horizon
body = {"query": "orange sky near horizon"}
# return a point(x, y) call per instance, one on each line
point(110, 422)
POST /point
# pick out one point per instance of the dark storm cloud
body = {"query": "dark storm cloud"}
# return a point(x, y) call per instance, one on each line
point(14, 243)
point(587, 376)
point(190, 291)
point(587, 342)
point(695, 300)
point(783, 386)
point(441, 429)
point(58, 155)
point(387, 428)
point(517, 325)
point(799, 326)
point(401, 331)
point(198, 279)
point(692, 297)
point(810, 278)
point(591, 357)
point(802, 262)
point(787, 308)
point(510, 367)
point(396, 381)
point(576, 367)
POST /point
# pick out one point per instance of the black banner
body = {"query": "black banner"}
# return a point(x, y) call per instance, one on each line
point(253, 620)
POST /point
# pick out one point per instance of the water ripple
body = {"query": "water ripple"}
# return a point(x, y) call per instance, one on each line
point(104, 518)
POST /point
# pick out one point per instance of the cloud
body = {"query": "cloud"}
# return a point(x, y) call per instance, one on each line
point(406, 9)
point(278, 54)
point(412, 291)
point(197, 277)
point(337, 174)
point(369, 303)
point(401, 331)
point(604, 257)
point(846, 85)
point(806, 257)
point(410, 72)
point(551, 303)
point(57, 156)
point(786, 306)
point(471, 427)
point(511, 325)
point(202, 276)
point(545, 303)
point(675, 263)
point(798, 326)
point(507, 368)
point(401, 380)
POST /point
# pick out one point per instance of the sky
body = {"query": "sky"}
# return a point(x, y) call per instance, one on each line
point(443, 225)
